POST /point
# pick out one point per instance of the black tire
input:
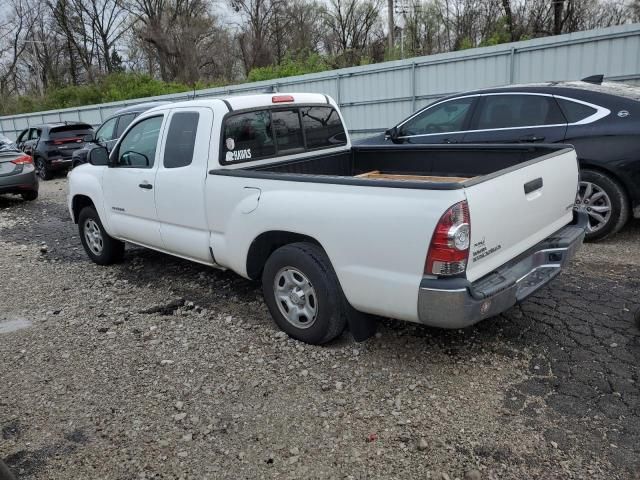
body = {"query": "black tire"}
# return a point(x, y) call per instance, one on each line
point(619, 205)
point(43, 169)
point(331, 306)
point(29, 196)
point(112, 250)
point(5, 473)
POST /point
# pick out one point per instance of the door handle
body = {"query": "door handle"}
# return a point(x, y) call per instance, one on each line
point(531, 138)
point(146, 186)
point(450, 140)
point(533, 185)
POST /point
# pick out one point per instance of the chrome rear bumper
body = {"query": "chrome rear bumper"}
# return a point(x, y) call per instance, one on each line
point(458, 303)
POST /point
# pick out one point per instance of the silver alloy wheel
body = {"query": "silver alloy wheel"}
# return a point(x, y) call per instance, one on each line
point(593, 200)
point(93, 236)
point(296, 298)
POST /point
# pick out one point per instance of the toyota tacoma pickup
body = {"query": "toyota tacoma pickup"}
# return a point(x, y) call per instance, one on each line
point(269, 186)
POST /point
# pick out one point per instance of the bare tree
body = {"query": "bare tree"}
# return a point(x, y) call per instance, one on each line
point(349, 25)
point(15, 29)
point(177, 31)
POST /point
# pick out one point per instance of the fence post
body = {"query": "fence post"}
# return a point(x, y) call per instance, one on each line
point(512, 65)
point(413, 86)
point(338, 89)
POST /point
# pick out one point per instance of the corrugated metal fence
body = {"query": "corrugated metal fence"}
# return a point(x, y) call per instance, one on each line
point(374, 97)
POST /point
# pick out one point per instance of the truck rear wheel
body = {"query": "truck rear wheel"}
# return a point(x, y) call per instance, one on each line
point(100, 247)
point(303, 294)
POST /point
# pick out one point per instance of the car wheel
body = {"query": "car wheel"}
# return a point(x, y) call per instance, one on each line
point(101, 248)
point(43, 170)
point(303, 294)
point(29, 196)
point(605, 202)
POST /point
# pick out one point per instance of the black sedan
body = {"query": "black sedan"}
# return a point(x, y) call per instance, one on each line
point(601, 120)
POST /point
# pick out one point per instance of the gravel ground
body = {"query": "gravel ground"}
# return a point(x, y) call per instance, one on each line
point(160, 368)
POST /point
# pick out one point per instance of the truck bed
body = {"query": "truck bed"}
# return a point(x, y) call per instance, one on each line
point(404, 166)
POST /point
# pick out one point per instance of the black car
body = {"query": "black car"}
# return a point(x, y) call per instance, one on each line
point(111, 130)
point(51, 145)
point(601, 120)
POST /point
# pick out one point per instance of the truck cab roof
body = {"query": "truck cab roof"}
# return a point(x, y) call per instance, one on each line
point(241, 102)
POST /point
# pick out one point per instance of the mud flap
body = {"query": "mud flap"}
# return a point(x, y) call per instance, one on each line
point(361, 325)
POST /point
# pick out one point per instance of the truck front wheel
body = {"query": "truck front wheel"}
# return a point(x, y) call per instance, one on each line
point(303, 294)
point(101, 248)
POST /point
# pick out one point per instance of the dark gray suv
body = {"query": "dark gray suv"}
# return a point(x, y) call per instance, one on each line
point(52, 144)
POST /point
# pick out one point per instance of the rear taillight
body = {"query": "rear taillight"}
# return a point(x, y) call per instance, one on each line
point(449, 249)
point(23, 160)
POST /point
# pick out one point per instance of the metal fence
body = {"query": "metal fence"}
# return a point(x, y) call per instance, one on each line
point(374, 97)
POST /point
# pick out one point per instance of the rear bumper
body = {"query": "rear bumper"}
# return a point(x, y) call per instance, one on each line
point(458, 303)
point(61, 162)
point(22, 182)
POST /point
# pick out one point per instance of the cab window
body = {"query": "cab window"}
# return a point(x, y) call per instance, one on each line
point(138, 147)
point(286, 125)
point(105, 132)
point(123, 122)
point(322, 127)
point(181, 139)
point(449, 116)
point(248, 136)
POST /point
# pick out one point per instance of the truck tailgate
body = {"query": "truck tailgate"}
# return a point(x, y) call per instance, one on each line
point(514, 209)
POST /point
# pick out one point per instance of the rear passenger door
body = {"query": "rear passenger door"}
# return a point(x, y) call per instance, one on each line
point(517, 118)
point(180, 183)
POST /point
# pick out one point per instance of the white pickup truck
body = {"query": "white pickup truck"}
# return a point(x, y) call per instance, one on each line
point(270, 187)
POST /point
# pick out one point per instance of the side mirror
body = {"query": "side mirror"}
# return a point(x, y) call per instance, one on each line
point(88, 138)
point(98, 156)
point(392, 134)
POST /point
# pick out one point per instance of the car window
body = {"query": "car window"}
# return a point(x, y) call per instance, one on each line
point(23, 136)
point(105, 132)
point(508, 111)
point(286, 124)
point(138, 147)
point(445, 117)
point(181, 139)
point(34, 133)
point(248, 136)
point(322, 127)
point(574, 111)
point(123, 122)
point(70, 131)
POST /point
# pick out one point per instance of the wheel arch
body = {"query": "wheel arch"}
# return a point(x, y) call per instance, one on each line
point(78, 203)
point(266, 243)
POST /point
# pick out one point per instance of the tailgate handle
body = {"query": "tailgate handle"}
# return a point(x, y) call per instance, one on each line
point(532, 186)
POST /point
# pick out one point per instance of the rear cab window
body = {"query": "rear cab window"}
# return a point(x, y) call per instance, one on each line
point(273, 132)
